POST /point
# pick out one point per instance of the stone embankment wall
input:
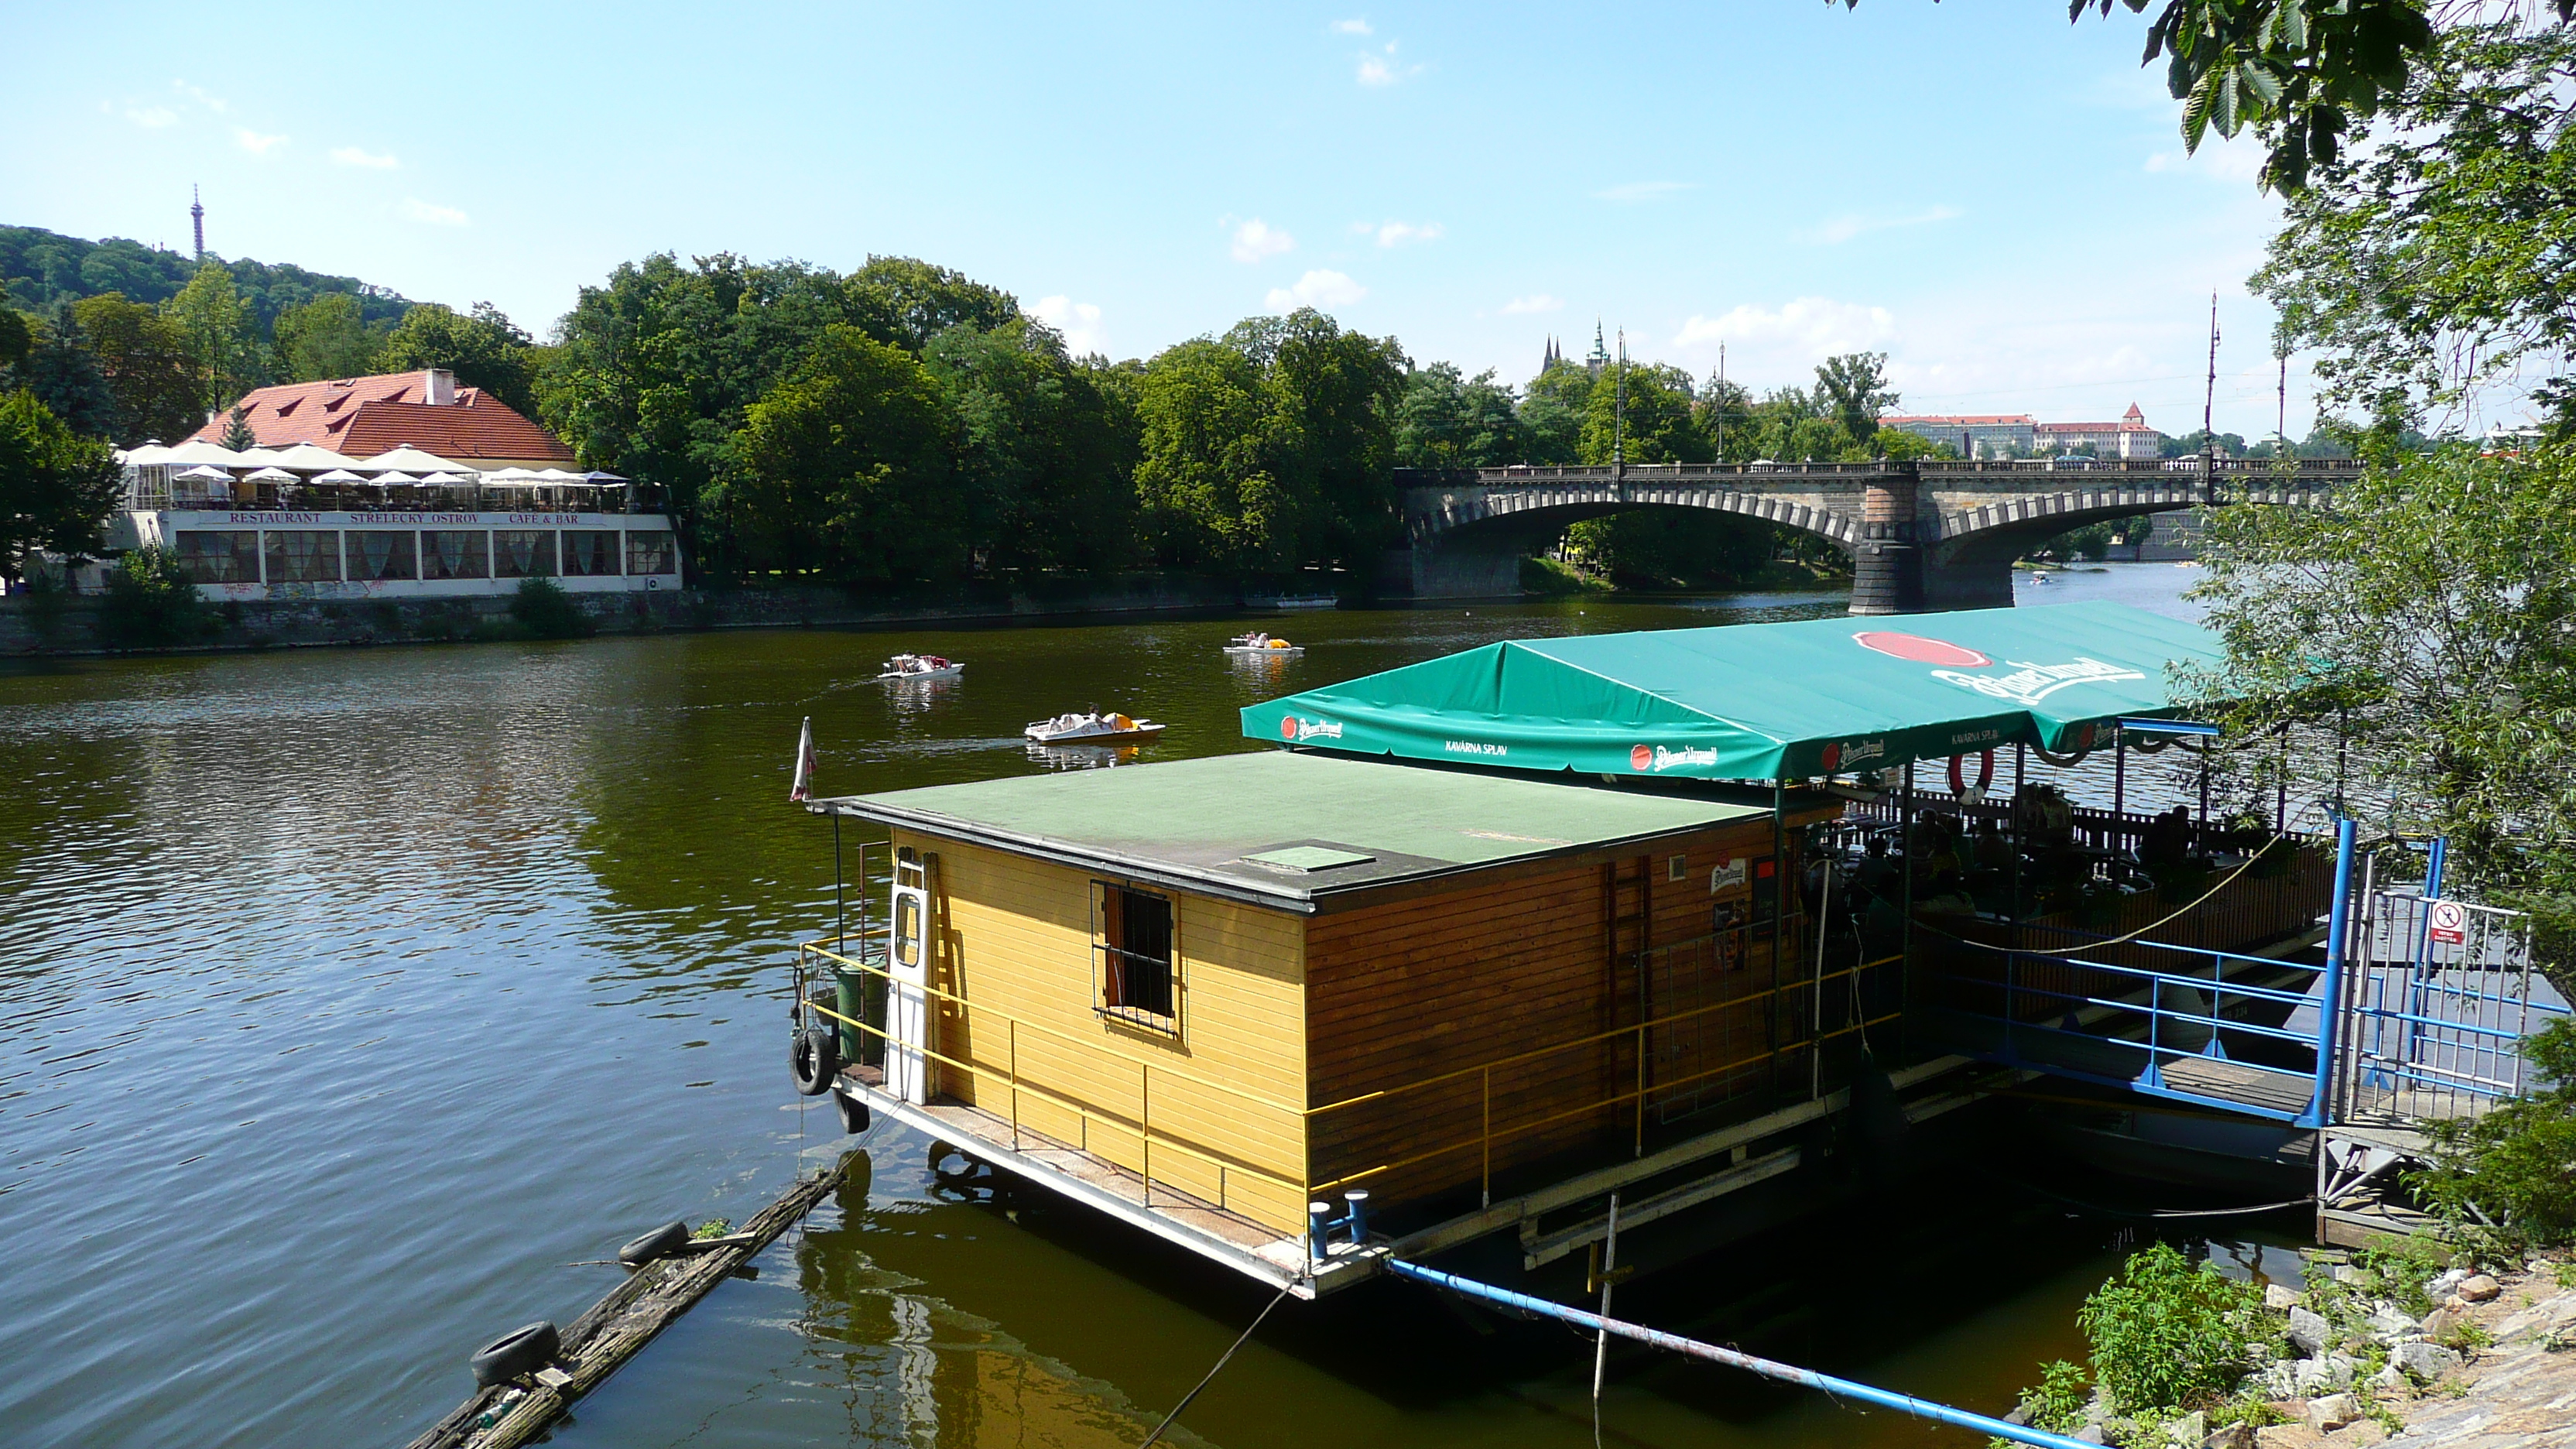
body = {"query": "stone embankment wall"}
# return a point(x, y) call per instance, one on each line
point(32, 625)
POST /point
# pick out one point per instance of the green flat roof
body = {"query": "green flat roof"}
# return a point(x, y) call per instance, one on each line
point(1761, 701)
point(1194, 823)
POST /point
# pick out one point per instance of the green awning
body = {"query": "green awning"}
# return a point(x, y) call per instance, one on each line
point(1762, 701)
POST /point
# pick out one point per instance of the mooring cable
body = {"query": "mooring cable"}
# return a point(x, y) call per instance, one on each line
point(2155, 1213)
point(1170, 1418)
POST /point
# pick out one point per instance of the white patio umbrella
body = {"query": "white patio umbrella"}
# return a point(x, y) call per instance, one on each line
point(416, 461)
point(556, 475)
point(312, 455)
point(200, 452)
point(504, 477)
point(271, 475)
point(144, 457)
point(443, 480)
point(395, 479)
point(202, 474)
point(338, 475)
point(263, 457)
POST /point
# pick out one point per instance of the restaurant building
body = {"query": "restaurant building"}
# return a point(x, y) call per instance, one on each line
point(403, 485)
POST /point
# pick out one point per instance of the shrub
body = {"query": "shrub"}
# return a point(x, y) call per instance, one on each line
point(2507, 1179)
point(2168, 1335)
point(2058, 1404)
point(151, 603)
point(543, 608)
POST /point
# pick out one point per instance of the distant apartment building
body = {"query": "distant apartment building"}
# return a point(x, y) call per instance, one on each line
point(1975, 435)
point(2130, 437)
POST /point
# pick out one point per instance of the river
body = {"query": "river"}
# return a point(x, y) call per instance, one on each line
point(351, 995)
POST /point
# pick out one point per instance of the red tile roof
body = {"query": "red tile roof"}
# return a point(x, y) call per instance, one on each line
point(363, 416)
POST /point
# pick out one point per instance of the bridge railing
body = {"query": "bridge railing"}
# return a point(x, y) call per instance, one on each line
point(2303, 470)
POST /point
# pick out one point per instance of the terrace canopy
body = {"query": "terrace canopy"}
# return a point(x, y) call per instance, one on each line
point(409, 459)
point(1762, 701)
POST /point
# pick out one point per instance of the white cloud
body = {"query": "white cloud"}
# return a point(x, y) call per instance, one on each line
point(1644, 190)
point(1843, 228)
point(255, 143)
point(1397, 233)
point(1534, 302)
point(1256, 239)
point(1317, 289)
point(200, 95)
point(1809, 328)
point(418, 210)
point(1078, 321)
point(1383, 69)
point(355, 156)
point(1353, 27)
point(153, 117)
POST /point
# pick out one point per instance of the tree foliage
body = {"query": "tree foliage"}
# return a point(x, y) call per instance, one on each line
point(484, 348)
point(1447, 420)
point(2167, 1334)
point(2430, 618)
point(1852, 390)
point(2437, 260)
point(149, 368)
point(56, 487)
point(328, 337)
point(216, 328)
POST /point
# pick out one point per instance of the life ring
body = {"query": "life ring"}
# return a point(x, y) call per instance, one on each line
point(814, 1061)
point(662, 1242)
point(1959, 773)
point(517, 1353)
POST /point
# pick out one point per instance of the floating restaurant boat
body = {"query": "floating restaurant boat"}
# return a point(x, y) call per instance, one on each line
point(908, 667)
point(1091, 727)
point(1257, 645)
point(1491, 937)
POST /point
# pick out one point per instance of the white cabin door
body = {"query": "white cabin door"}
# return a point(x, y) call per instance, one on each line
point(907, 1074)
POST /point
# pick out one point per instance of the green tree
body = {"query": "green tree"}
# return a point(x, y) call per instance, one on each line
point(2430, 264)
point(148, 365)
point(1447, 421)
point(221, 340)
point(1331, 399)
point(1209, 497)
point(151, 603)
point(1853, 390)
point(483, 348)
point(1553, 409)
point(56, 488)
point(66, 378)
point(843, 469)
point(1047, 457)
point(17, 335)
point(1656, 423)
point(2429, 617)
point(658, 367)
point(908, 302)
point(326, 337)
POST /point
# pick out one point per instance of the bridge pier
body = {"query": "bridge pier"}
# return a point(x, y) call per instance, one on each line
point(1887, 564)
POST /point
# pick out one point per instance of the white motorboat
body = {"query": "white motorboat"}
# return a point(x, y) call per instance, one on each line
point(1260, 645)
point(1091, 727)
point(921, 666)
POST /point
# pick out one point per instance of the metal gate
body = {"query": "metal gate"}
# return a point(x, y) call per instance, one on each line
point(2438, 997)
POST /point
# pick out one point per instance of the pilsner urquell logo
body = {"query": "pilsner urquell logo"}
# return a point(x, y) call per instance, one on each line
point(1293, 729)
point(2028, 683)
point(1663, 757)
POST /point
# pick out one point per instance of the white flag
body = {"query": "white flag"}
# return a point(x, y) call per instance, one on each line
point(803, 789)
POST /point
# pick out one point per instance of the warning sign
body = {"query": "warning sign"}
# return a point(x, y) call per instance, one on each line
point(2448, 922)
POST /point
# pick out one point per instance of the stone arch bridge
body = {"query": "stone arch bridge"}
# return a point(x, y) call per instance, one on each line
point(1927, 535)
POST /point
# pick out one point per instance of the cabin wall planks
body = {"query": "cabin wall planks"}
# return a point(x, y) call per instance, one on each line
point(1016, 935)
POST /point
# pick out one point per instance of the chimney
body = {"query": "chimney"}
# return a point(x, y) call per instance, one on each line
point(439, 390)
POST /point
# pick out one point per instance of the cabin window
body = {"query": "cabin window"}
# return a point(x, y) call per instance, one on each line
point(588, 552)
point(229, 557)
point(523, 553)
point(1677, 868)
point(650, 551)
point(303, 557)
point(1135, 958)
point(377, 554)
point(455, 553)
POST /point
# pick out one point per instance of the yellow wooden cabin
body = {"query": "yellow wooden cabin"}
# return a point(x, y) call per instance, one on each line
point(1218, 990)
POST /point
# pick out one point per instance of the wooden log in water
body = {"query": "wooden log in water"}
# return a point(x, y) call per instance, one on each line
point(617, 1326)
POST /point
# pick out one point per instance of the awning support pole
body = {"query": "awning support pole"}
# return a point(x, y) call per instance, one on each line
point(840, 916)
point(2119, 770)
point(1735, 1358)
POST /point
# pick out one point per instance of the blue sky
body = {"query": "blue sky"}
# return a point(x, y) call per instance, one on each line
point(1997, 199)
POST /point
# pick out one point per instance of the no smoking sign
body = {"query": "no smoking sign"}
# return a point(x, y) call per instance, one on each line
point(2448, 922)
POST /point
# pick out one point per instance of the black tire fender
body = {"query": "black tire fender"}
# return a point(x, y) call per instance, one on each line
point(814, 1060)
point(516, 1354)
point(854, 1113)
point(662, 1242)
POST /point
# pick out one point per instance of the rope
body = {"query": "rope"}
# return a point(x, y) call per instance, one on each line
point(1150, 1439)
point(2110, 1212)
point(2206, 896)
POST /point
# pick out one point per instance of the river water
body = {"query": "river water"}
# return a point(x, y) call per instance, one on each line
point(350, 996)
